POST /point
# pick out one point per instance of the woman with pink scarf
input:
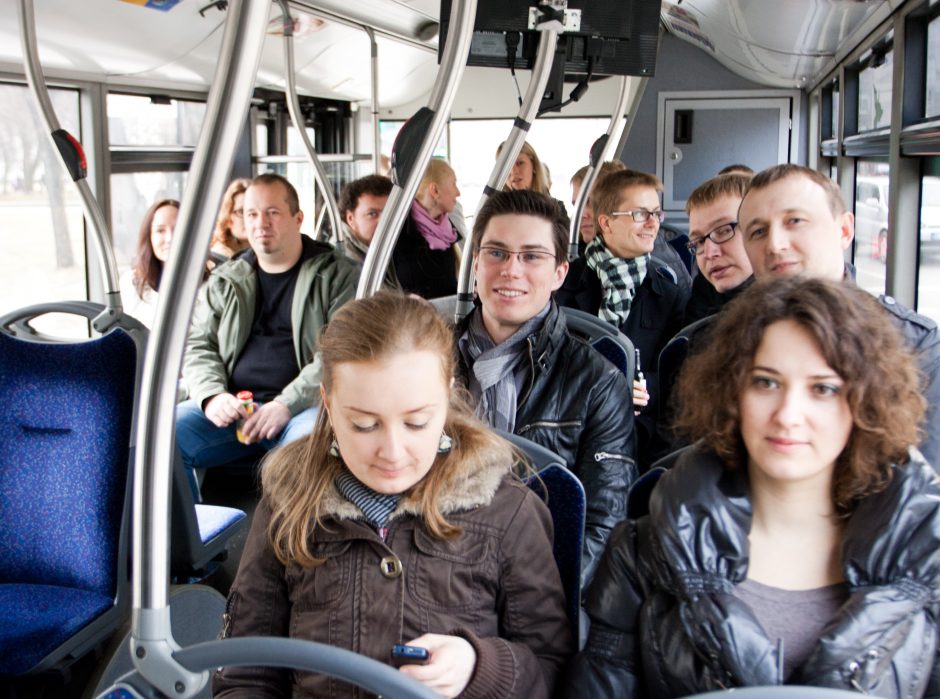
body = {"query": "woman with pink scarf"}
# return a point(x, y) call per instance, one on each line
point(425, 257)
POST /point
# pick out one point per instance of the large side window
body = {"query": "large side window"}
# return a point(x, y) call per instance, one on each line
point(871, 224)
point(928, 278)
point(874, 92)
point(152, 141)
point(42, 232)
point(933, 68)
point(563, 146)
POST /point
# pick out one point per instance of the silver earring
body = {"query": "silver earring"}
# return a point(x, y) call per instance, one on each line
point(445, 444)
point(334, 448)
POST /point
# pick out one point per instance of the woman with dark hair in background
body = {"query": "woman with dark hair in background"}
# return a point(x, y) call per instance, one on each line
point(798, 542)
point(140, 284)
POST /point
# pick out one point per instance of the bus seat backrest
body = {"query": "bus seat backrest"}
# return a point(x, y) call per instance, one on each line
point(604, 337)
point(564, 495)
point(66, 425)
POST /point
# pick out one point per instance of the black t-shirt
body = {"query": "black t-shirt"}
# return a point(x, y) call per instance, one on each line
point(268, 361)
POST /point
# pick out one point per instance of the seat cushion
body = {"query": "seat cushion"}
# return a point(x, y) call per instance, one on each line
point(214, 519)
point(36, 619)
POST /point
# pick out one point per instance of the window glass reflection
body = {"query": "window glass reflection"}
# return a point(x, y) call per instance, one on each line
point(871, 225)
point(928, 278)
point(933, 68)
point(874, 94)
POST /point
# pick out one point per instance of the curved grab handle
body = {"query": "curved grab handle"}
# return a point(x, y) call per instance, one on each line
point(304, 655)
point(17, 322)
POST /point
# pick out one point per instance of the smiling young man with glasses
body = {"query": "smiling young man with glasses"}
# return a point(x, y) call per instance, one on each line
point(528, 376)
point(621, 281)
point(722, 261)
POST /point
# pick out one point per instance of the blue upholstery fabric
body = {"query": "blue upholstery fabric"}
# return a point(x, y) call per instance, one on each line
point(63, 470)
point(45, 617)
point(564, 495)
point(613, 353)
point(214, 519)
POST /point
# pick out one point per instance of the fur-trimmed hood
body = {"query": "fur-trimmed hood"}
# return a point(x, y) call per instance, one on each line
point(470, 485)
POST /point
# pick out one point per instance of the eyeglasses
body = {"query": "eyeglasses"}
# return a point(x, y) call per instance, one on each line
point(500, 256)
point(722, 234)
point(641, 215)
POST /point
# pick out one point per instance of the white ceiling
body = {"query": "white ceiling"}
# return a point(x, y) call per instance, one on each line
point(125, 43)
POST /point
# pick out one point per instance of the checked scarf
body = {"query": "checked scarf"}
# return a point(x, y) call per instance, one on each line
point(620, 279)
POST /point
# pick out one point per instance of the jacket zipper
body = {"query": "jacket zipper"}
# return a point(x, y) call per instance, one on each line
point(549, 423)
point(601, 455)
point(227, 617)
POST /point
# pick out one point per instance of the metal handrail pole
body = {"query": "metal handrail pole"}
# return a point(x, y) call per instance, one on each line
point(152, 641)
point(293, 107)
point(598, 157)
point(541, 70)
point(99, 227)
point(440, 102)
point(374, 85)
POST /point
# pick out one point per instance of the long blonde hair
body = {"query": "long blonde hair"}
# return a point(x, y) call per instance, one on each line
point(540, 182)
point(296, 478)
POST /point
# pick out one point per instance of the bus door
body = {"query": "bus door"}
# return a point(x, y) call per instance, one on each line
point(700, 133)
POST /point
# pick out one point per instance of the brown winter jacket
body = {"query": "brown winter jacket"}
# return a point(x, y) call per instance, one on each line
point(496, 585)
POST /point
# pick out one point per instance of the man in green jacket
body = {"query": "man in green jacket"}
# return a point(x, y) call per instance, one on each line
point(254, 329)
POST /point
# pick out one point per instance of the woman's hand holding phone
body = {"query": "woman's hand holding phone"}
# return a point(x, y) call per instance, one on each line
point(450, 667)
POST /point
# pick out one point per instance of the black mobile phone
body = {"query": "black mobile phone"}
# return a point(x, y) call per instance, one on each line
point(409, 655)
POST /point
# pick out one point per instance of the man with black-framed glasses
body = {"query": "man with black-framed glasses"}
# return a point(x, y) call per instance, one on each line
point(718, 249)
point(528, 376)
point(620, 280)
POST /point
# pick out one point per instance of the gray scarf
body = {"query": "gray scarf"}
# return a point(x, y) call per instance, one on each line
point(493, 380)
point(620, 279)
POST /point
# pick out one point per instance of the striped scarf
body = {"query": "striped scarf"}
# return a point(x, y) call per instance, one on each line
point(620, 279)
point(376, 507)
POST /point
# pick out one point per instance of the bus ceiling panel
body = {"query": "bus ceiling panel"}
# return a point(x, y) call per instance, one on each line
point(784, 44)
point(333, 60)
point(412, 21)
point(111, 40)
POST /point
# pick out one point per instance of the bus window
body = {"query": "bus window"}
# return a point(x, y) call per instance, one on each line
point(933, 68)
point(563, 145)
point(138, 120)
point(874, 92)
point(152, 140)
point(131, 195)
point(871, 225)
point(928, 279)
point(42, 234)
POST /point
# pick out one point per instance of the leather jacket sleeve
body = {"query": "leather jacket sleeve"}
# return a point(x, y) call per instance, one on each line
point(610, 664)
point(535, 638)
point(923, 339)
point(606, 465)
point(261, 577)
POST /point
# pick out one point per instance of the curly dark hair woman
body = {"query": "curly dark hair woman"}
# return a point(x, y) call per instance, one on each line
point(797, 541)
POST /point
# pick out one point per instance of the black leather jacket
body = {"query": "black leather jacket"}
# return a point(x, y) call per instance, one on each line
point(664, 621)
point(580, 406)
point(922, 338)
